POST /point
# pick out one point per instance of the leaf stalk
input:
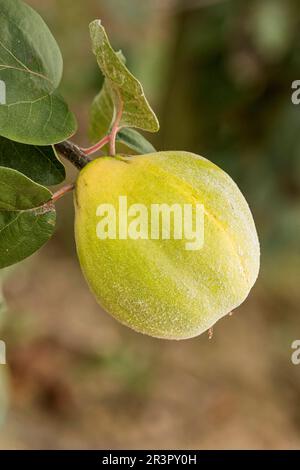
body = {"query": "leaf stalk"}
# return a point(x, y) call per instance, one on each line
point(111, 137)
point(62, 192)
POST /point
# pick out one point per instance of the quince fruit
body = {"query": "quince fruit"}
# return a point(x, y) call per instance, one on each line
point(164, 286)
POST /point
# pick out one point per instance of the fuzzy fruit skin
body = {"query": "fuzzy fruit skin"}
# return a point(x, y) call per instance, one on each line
point(157, 287)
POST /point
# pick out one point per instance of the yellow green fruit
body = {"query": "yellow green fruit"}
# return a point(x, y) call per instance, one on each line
point(157, 287)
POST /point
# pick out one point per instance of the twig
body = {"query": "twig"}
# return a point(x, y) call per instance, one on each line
point(73, 153)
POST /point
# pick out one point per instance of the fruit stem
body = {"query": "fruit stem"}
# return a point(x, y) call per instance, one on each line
point(73, 153)
point(62, 191)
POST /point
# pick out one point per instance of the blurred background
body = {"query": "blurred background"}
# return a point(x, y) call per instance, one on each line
point(218, 73)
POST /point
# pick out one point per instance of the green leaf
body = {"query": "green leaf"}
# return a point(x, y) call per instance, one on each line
point(27, 216)
point(41, 164)
point(121, 88)
point(31, 67)
point(136, 141)
point(102, 113)
point(102, 110)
